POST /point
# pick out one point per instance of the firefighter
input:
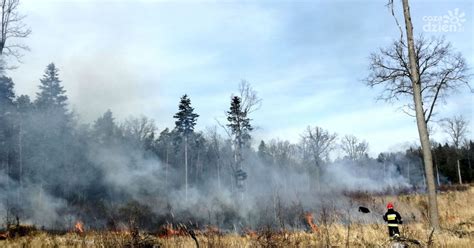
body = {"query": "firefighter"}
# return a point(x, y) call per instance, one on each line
point(393, 219)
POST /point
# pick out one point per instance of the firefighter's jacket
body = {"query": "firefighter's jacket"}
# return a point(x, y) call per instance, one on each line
point(393, 218)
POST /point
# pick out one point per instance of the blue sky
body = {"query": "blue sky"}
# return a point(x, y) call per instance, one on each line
point(306, 59)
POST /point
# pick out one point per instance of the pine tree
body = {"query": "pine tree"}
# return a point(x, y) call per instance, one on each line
point(7, 127)
point(7, 95)
point(239, 123)
point(263, 153)
point(51, 103)
point(240, 128)
point(186, 120)
point(52, 94)
point(105, 129)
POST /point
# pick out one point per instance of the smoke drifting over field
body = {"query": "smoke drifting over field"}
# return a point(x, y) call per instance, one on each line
point(113, 175)
point(117, 184)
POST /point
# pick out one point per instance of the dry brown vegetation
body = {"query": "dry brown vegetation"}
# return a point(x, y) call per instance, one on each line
point(457, 219)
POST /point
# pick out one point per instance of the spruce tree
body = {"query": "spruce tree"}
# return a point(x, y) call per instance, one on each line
point(239, 123)
point(51, 103)
point(7, 95)
point(240, 128)
point(105, 129)
point(51, 94)
point(7, 126)
point(186, 120)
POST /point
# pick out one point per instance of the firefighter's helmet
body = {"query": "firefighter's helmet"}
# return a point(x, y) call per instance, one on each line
point(389, 205)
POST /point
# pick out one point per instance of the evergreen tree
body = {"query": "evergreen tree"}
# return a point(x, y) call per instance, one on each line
point(240, 128)
point(239, 123)
point(51, 103)
point(263, 153)
point(24, 104)
point(51, 94)
point(50, 131)
point(7, 95)
point(105, 129)
point(7, 127)
point(186, 120)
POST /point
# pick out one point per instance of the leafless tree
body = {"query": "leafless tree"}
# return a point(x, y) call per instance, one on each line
point(215, 141)
point(12, 28)
point(281, 151)
point(317, 143)
point(425, 71)
point(457, 129)
point(250, 100)
point(441, 72)
point(353, 148)
point(139, 129)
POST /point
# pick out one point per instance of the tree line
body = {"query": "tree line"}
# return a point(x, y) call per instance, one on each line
point(44, 150)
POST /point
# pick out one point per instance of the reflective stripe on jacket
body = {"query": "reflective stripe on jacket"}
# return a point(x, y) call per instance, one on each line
point(392, 218)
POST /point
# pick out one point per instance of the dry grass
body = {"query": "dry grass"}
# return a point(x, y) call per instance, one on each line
point(457, 218)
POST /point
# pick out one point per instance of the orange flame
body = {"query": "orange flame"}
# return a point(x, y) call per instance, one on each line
point(309, 220)
point(168, 231)
point(79, 227)
point(251, 233)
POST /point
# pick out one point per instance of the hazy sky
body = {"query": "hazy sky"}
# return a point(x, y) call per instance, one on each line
point(306, 59)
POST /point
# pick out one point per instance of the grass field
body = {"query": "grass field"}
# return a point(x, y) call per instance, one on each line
point(456, 210)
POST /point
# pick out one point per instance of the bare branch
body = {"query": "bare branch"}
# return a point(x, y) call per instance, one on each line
point(320, 143)
point(12, 27)
point(457, 128)
point(353, 148)
point(441, 72)
point(391, 7)
point(250, 100)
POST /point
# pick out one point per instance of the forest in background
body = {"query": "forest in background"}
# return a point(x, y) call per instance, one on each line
point(111, 174)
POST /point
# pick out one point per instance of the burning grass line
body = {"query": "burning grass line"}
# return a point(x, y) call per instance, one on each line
point(458, 230)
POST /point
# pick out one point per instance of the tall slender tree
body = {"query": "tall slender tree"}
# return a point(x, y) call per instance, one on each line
point(7, 133)
point(239, 125)
point(421, 118)
point(424, 71)
point(163, 144)
point(457, 129)
point(185, 122)
point(51, 103)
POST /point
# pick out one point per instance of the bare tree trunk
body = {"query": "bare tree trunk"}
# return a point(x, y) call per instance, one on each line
point(437, 175)
point(459, 172)
point(408, 172)
point(186, 166)
point(437, 170)
point(20, 163)
point(218, 174)
point(420, 119)
point(166, 166)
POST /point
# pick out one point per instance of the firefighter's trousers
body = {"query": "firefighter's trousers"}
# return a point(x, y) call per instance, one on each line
point(393, 231)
